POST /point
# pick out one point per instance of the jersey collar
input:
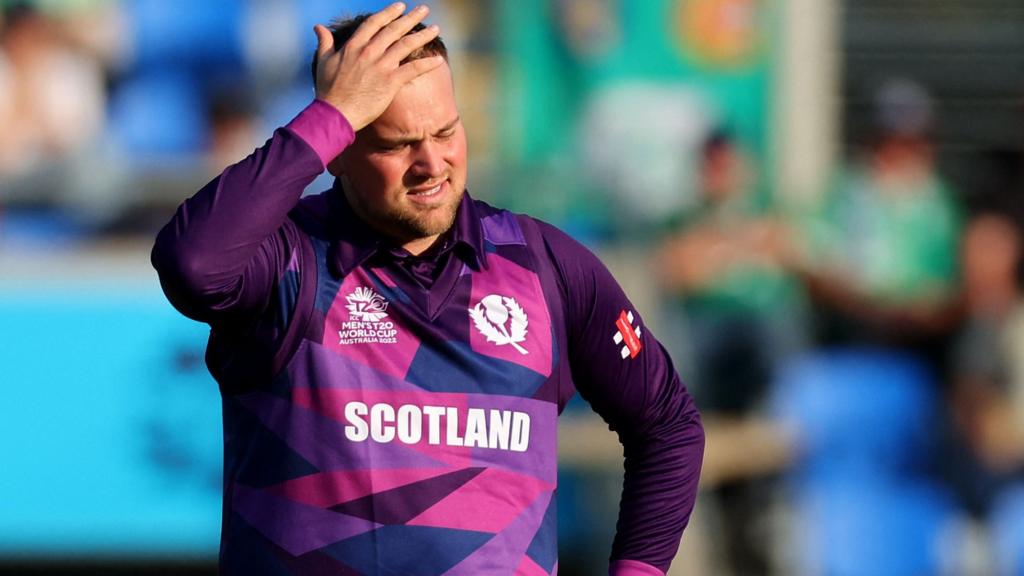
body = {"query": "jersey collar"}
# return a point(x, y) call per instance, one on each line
point(354, 242)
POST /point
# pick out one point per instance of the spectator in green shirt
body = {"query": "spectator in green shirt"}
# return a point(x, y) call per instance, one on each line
point(879, 252)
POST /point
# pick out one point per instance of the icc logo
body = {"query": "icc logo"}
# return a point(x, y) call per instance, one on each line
point(365, 305)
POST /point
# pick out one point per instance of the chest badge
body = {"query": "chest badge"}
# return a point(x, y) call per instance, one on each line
point(501, 320)
point(365, 305)
point(367, 319)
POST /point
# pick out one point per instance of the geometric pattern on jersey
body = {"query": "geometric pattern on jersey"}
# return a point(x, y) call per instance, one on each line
point(402, 504)
point(539, 553)
point(477, 375)
point(408, 550)
point(394, 442)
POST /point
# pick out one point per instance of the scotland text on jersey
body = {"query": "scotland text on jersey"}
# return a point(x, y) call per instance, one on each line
point(496, 429)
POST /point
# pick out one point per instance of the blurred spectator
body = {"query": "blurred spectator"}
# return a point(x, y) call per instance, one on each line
point(721, 266)
point(742, 312)
point(56, 178)
point(51, 95)
point(879, 253)
point(879, 257)
point(986, 399)
point(233, 129)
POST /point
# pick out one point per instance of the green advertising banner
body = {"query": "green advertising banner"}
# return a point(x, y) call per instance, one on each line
point(605, 103)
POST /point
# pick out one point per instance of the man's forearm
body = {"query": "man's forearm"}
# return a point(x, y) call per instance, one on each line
point(659, 488)
point(219, 250)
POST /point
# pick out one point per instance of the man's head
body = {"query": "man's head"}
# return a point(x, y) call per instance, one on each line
point(406, 172)
point(343, 29)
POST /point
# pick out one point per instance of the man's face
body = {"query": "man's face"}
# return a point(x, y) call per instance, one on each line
point(406, 171)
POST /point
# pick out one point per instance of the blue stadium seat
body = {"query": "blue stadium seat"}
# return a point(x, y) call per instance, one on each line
point(864, 420)
point(859, 411)
point(1007, 529)
point(158, 115)
point(200, 35)
point(881, 528)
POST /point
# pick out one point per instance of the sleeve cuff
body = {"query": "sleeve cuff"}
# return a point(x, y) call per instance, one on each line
point(632, 568)
point(324, 128)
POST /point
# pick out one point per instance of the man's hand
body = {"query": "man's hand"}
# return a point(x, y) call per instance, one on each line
point(363, 77)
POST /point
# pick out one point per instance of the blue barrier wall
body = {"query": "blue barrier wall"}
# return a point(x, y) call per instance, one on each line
point(110, 426)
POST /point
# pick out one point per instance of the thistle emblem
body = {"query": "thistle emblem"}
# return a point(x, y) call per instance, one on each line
point(502, 320)
point(365, 305)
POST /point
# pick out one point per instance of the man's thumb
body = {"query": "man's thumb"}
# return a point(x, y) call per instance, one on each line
point(325, 40)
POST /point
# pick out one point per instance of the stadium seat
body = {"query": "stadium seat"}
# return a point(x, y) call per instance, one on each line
point(1007, 529)
point(199, 35)
point(878, 527)
point(158, 115)
point(863, 503)
point(860, 412)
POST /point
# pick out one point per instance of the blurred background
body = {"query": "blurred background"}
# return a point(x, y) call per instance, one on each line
point(816, 204)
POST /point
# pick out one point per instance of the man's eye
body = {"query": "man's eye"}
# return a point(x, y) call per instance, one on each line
point(445, 135)
point(390, 147)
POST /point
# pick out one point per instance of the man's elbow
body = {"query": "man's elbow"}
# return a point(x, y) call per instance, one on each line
point(187, 280)
point(178, 267)
point(693, 426)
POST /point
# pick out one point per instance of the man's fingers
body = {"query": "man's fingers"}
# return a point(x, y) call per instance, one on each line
point(396, 29)
point(411, 70)
point(409, 44)
point(325, 41)
point(374, 23)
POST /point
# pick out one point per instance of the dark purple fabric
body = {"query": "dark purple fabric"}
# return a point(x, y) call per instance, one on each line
point(222, 256)
point(226, 247)
point(641, 399)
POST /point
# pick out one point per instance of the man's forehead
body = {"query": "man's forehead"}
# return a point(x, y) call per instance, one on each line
point(382, 129)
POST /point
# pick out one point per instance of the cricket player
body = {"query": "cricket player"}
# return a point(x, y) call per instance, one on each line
point(393, 354)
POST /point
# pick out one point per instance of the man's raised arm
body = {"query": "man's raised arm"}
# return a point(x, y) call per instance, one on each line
point(225, 248)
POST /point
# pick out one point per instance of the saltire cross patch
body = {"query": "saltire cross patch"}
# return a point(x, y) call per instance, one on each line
point(627, 335)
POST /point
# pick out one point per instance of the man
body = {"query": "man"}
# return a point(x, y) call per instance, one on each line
point(393, 354)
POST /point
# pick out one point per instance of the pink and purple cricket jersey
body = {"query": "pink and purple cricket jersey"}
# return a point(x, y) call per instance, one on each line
point(394, 414)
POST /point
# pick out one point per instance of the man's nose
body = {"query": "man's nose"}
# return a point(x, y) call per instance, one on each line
point(428, 159)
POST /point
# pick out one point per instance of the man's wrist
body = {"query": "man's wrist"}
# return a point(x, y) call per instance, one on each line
point(324, 128)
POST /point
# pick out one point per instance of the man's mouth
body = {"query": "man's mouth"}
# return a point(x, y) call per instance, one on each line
point(428, 192)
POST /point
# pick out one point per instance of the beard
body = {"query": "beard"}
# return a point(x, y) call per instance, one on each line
point(416, 223)
point(406, 222)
